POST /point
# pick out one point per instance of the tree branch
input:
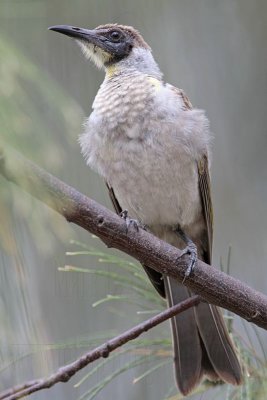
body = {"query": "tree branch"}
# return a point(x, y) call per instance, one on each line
point(213, 286)
point(64, 374)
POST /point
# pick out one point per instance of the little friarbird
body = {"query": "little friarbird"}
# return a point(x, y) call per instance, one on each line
point(153, 149)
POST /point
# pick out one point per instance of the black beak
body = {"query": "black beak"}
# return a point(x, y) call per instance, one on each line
point(78, 33)
point(98, 38)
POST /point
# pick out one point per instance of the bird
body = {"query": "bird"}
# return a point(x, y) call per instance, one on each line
point(153, 149)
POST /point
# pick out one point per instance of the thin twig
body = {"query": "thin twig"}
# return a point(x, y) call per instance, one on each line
point(18, 389)
point(64, 373)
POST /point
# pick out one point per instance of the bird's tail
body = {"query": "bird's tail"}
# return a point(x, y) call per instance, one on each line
point(202, 345)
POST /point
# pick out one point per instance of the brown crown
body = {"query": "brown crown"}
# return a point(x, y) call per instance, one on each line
point(138, 40)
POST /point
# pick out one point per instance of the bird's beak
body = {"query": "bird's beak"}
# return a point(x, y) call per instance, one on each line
point(85, 35)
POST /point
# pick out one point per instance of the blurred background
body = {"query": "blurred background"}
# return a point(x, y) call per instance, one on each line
point(216, 52)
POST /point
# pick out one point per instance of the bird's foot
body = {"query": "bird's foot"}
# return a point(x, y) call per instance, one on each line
point(191, 250)
point(129, 221)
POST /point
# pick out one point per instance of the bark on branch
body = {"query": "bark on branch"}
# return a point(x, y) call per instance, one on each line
point(213, 286)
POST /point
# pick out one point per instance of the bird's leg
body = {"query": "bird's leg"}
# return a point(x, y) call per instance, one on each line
point(190, 249)
point(129, 221)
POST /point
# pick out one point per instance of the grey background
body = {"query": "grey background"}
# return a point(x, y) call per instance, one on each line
point(216, 52)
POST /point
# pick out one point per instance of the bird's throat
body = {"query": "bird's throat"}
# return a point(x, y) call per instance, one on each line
point(111, 70)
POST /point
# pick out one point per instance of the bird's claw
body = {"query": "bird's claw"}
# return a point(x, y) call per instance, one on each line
point(190, 250)
point(129, 221)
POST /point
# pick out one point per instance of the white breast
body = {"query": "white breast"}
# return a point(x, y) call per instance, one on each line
point(151, 160)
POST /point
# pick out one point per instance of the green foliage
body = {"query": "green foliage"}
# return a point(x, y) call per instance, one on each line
point(157, 353)
point(41, 121)
point(150, 354)
point(38, 119)
point(30, 104)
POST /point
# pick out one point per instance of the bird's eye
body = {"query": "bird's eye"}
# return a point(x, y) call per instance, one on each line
point(115, 36)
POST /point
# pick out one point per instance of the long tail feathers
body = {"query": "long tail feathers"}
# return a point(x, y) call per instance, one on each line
point(201, 342)
point(218, 344)
point(186, 340)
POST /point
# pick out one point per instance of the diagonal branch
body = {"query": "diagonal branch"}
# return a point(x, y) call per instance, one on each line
point(214, 286)
point(65, 373)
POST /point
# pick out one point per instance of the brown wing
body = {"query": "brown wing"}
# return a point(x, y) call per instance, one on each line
point(218, 354)
point(181, 93)
point(205, 195)
point(204, 185)
point(114, 200)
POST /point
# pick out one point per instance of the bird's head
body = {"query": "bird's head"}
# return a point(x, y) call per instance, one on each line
point(112, 45)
